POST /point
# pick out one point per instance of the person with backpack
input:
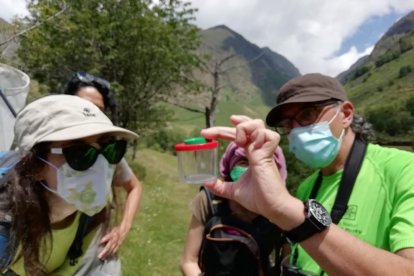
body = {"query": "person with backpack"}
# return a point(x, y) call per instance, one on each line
point(98, 91)
point(68, 152)
point(224, 238)
point(355, 214)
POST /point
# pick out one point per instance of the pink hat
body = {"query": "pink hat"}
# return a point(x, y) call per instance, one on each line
point(234, 154)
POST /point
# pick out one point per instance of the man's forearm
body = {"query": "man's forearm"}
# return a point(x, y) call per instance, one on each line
point(340, 253)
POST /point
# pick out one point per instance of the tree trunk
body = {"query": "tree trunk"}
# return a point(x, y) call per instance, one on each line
point(134, 149)
point(214, 97)
point(207, 115)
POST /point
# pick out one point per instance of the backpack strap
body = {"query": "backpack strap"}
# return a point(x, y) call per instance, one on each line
point(219, 206)
point(75, 250)
point(8, 159)
point(349, 175)
point(351, 169)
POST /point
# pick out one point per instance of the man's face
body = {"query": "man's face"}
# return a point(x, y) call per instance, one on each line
point(304, 114)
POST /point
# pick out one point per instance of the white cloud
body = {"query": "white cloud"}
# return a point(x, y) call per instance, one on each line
point(10, 8)
point(308, 33)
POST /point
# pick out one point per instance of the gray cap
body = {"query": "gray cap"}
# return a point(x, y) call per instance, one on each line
point(61, 118)
point(308, 88)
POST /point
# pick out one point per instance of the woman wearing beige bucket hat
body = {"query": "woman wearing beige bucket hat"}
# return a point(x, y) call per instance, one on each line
point(61, 192)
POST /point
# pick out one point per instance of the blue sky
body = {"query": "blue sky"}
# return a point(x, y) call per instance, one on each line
point(369, 32)
point(325, 36)
point(315, 35)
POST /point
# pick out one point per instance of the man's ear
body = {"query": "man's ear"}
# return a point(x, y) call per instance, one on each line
point(348, 111)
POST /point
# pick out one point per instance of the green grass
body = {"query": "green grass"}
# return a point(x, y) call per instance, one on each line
point(155, 243)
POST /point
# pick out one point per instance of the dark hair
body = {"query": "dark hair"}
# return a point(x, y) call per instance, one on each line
point(31, 226)
point(30, 211)
point(82, 79)
point(362, 128)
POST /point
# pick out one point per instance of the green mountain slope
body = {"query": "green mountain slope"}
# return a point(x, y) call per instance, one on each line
point(251, 69)
point(250, 77)
point(382, 85)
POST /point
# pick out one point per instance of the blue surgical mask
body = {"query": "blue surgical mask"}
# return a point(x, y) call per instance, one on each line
point(315, 145)
point(237, 172)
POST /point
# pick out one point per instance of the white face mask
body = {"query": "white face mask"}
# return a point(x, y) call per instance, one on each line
point(88, 191)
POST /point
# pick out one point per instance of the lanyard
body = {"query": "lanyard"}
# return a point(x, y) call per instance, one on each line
point(351, 170)
point(352, 165)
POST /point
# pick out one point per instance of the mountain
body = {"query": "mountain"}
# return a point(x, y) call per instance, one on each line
point(387, 44)
point(250, 69)
point(343, 76)
point(382, 84)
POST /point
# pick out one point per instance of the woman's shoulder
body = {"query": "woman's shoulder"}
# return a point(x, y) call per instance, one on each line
point(200, 206)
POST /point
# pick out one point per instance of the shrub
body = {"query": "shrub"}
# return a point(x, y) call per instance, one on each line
point(410, 105)
point(164, 139)
point(404, 71)
point(405, 44)
point(360, 71)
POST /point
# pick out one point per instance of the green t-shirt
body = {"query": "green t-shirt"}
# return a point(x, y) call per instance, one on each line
point(381, 207)
point(57, 262)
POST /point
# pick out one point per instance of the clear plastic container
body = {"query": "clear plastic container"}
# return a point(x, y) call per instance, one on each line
point(197, 160)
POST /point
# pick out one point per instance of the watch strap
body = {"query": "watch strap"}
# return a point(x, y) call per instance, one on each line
point(305, 230)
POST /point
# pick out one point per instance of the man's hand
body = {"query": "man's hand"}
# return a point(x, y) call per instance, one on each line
point(260, 189)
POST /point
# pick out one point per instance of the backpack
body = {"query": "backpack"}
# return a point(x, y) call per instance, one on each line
point(8, 159)
point(233, 247)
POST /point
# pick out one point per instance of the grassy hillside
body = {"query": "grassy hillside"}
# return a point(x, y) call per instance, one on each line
point(383, 88)
point(155, 243)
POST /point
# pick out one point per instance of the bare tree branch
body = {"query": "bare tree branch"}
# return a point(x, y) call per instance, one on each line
point(185, 107)
point(34, 26)
point(248, 62)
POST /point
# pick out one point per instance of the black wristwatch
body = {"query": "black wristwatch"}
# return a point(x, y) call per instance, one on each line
point(317, 219)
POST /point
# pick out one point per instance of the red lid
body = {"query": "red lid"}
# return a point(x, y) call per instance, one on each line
point(192, 147)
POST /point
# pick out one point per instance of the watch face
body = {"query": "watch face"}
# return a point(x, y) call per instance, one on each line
point(320, 213)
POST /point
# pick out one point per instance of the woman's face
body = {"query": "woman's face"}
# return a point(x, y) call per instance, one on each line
point(48, 174)
point(92, 94)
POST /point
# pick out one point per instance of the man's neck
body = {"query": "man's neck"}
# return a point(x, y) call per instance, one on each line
point(344, 151)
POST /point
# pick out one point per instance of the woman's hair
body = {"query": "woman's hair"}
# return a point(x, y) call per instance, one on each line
point(234, 154)
point(30, 211)
point(362, 128)
point(82, 79)
point(31, 226)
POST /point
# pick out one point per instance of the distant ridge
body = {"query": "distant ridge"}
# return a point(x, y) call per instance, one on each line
point(381, 85)
point(261, 69)
point(402, 26)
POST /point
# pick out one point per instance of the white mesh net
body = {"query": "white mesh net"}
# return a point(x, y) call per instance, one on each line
point(14, 85)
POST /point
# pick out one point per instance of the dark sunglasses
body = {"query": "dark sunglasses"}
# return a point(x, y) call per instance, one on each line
point(81, 157)
point(86, 78)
